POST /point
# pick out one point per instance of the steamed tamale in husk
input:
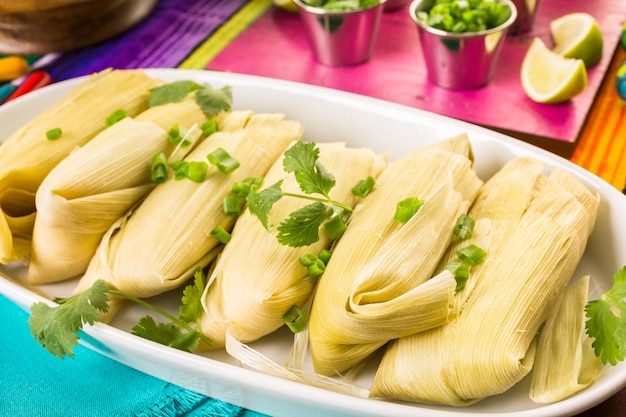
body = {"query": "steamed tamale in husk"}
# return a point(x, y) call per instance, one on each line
point(264, 276)
point(565, 362)
point(27, 156)
point(498, 208)
point(376, 286)
point(98, 183)
point(168, 236)
point(492, 343)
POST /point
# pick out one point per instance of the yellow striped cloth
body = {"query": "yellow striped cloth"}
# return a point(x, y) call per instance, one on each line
point(602, 145)
point(226, 33)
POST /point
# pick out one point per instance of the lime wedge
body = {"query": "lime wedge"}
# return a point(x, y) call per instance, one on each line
point(577, 35)
point(548, 77)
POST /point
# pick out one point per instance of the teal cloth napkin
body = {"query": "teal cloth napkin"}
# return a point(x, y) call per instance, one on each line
point(36, 384)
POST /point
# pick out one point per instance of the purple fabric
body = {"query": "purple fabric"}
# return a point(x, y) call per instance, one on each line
point(162, 40)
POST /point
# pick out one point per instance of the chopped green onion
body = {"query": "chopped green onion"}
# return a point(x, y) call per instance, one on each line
point(464, 227)
point(208, 128)
point(54, 134)
point(158, 168)
point(242, 189)
point(407, 208)
point(295, 319)
point(233, 205)
point(223, 161)
point(364, 187)
point(471, 254)
point(193, 170)
point(197, 171)
point(313, 264)
point(178, 135)
point(115, 117)
point(325, 256)
point(221, 235)
point(460, 271)
point(335, 226)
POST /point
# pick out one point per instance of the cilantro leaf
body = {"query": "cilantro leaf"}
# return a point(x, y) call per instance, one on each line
point(303, 160)
point(55, 328)
point(163, 333)
point(260, 203)
point(192, 298)
point(51, 333)
point(166, 334)
point(607, 321)
point(301, 228)
point(171, 92)
point(213, 101)
point(186, 341)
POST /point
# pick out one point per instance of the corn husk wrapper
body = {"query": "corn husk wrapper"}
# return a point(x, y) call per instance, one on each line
point(264, 276)
point(376, 286)
point(161, 244)
point(565, 362)
point(413, 366)
point(493, 342)
point(96, 185)
point(28, 156)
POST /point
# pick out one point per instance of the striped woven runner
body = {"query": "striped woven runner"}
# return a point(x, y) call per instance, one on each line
point(602, 146)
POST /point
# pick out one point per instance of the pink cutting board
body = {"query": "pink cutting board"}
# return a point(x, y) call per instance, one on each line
point(276, 46)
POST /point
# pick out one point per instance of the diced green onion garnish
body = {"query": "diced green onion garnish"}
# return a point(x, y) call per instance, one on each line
point(464, 227)
point(115, 117)
point(178, 135)
point(208, 128)
point(193, 170)
point(223, 161)
point(197, 171)
point(313, 264)
point(158, 168)
point(325, 256)
point(335, 226)
point(54, 134)
point(180, 169)
point(364, 187)
point(221, 235)
point(242, 189)
point(460, 271)
point(233, 205)
point(471, 254)
point(295, 319)
point(407, 208)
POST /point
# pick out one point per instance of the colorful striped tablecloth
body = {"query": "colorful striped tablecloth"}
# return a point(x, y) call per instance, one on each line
point(602, 146)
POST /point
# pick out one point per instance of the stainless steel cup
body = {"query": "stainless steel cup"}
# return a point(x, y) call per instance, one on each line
point(526, 12)
point(459, 61)
point(341, 38)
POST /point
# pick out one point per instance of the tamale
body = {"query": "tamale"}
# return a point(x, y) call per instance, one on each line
point(168, 236)
point(565, 362)
point(270, 279)
point(97, 184)
point(376, 286)
point(27, 156)
point(498, 209)
point(492, 344)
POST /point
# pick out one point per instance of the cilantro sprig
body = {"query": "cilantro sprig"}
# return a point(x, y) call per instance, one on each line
point(301, 227)
point(211, 100)
point(607, 321)
point(57, 328)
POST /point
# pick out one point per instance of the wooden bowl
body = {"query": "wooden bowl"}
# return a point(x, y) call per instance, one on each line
point(43, 26)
